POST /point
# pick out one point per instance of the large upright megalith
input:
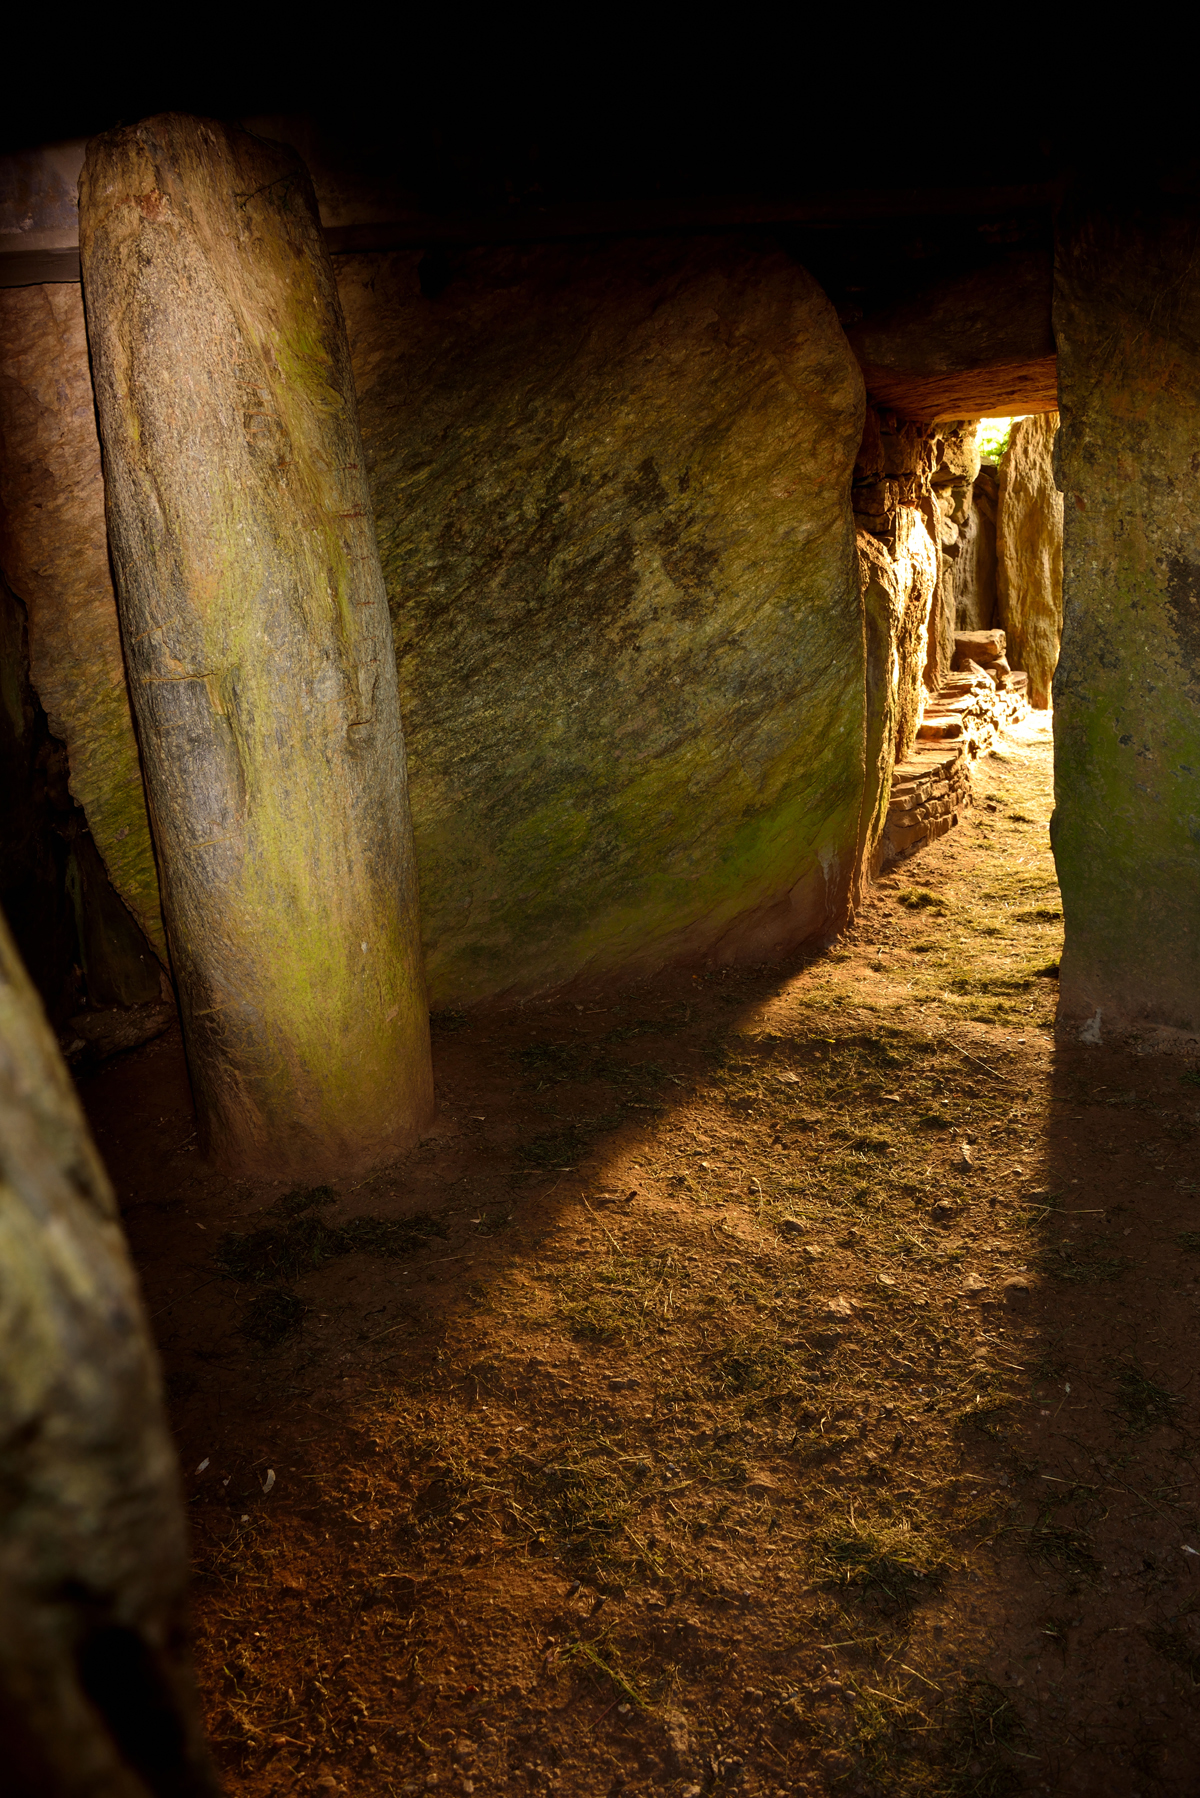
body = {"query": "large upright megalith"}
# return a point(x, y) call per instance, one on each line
point(257, 640)
point(612, 488)
point(1127, 689)
point(96, 1692)
point(1029, 532)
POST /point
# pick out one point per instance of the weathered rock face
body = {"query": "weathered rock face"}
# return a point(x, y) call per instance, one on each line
point(956, 464)
point(1029, 549)
point(118, 963)
point(65, 915)
point(976, 345)
point(894, 503)
point(1127, 689)
point(611, 489)
point(33, 856)
point(898, 578)
point(260, 659)
point(54, 552)
point(975, 565)
point(96, 1694)
point(905, 568)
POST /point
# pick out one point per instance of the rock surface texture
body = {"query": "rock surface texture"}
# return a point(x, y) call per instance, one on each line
point(956, 465)
point(897, 517)
point(260, 661)
point(975, 565)
point(611, 488)
point(906, 571)
point(33, 856)
point(975, 345)
point(1127, 689)
point(1029, 536)
point(96, 1695)
point(54, 552)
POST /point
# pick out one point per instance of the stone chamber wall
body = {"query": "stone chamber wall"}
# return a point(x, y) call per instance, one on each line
point(671, 605)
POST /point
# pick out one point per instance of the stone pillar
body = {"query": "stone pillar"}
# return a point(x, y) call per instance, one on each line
point(96, 1691)
point(956, 465)
point(1029, 532)
point(975, 569)
point(259, 651)
point(1127, 689)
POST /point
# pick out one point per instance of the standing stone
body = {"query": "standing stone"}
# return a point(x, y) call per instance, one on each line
point(898, 580)
point(956, 465)
point(1029, 539)
point(54, 552)
point(900, 569)
point(96, 1691)
point(612, 493)
point(975, 569)
point(905, 568)
point(260, 661)
point(1127, 690)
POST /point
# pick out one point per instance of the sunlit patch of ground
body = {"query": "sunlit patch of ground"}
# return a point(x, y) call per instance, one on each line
point(774, 1381)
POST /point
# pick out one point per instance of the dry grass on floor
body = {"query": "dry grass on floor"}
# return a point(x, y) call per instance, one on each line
point(669, 1423)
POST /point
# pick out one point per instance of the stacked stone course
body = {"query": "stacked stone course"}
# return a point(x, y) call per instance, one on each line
point(962, 721)
point(928, 792)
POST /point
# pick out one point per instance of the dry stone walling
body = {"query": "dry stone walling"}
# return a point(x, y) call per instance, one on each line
point(256, 635)
point(96, 1693)
point(1127, 689)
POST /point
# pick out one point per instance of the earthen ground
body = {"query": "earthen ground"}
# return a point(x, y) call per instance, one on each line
point(717, 1426)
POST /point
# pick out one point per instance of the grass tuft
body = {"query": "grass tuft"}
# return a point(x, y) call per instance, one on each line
point(892, 1560)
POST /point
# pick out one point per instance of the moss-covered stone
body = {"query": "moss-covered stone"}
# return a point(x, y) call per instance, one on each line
point(612, 494)
point(260, 659)
point(1127, 690)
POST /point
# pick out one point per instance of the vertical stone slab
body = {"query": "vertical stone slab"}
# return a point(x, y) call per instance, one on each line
point(54, 552)
point(260, 659)
point(1127, 689)
point(96, 1692)
point(1029, 533)
point(956, 465)
point(612, 492)
point(975, 569)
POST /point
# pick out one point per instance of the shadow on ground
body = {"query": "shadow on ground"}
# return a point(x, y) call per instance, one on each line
point(771, 1381)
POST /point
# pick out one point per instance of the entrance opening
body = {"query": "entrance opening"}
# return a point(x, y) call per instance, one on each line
point(961, 522)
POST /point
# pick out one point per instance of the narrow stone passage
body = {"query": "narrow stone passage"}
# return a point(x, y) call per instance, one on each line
point(775, 1381)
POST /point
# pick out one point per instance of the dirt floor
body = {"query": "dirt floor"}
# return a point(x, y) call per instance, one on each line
point(767, 1381)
